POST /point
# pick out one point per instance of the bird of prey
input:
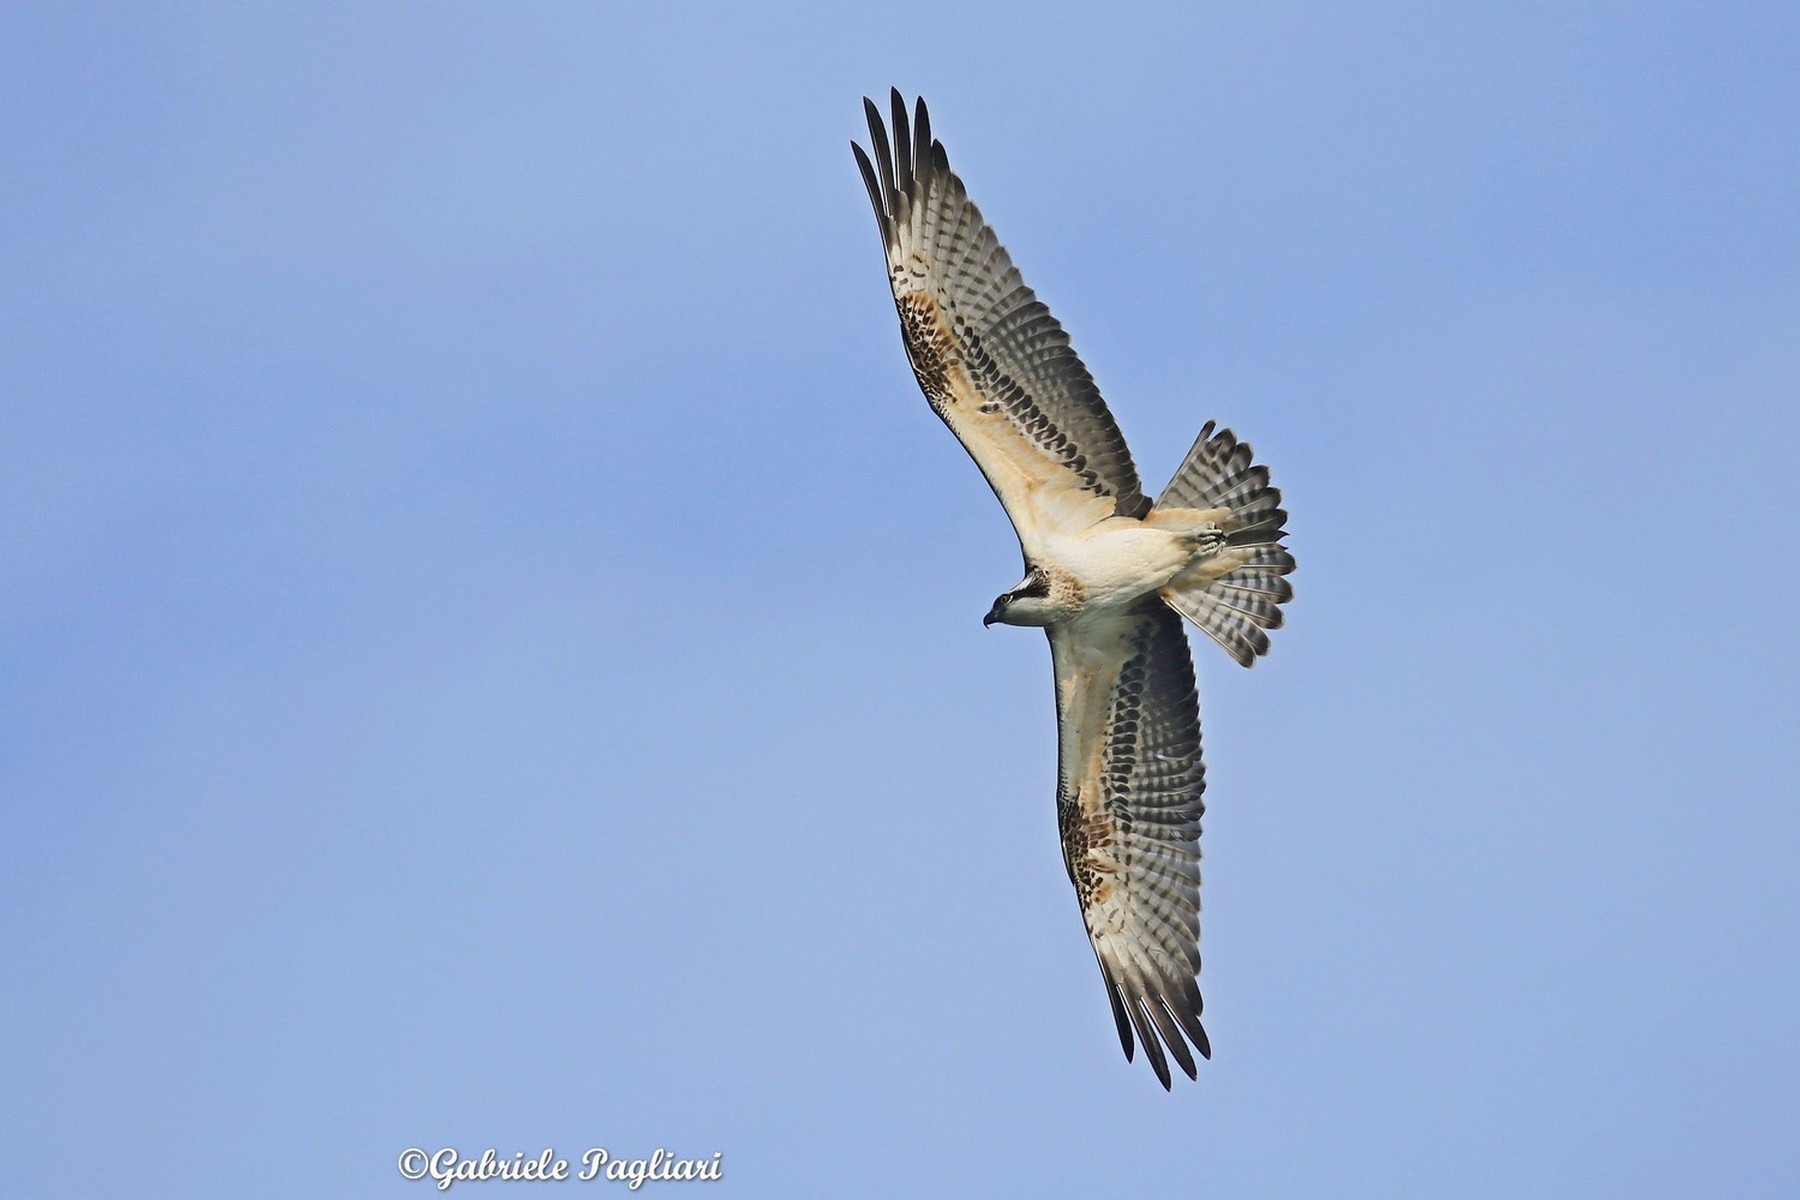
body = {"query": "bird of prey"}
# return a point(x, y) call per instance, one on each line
point(1109, 574)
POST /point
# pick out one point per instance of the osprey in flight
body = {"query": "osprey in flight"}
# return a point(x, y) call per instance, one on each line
point(1108, 574)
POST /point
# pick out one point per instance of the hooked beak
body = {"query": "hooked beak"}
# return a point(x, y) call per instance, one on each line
point(993, 615)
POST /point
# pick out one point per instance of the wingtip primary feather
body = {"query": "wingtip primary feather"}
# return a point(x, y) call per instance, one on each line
point(1118, 1005)
point(1187, 1013)
point(903, 146)
point(922, 158)
point(1171, 1035)
point(884, 158)
point(874, 188)
point(1146, 1031)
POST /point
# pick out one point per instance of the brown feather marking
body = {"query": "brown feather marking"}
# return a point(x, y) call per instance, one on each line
point(937, 349)
point(930, 347)
point(1092, 819)
point(1085, 835)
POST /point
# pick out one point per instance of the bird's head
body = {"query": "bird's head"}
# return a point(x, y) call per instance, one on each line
point(1027, 603)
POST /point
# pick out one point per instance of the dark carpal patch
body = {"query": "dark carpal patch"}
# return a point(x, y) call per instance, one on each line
point(1082, 837)
point(929, 346)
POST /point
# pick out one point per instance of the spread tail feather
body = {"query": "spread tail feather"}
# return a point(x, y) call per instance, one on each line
point(1236, 594)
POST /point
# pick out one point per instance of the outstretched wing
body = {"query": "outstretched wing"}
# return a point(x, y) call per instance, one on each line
point(992, 361)
point(1128, 804)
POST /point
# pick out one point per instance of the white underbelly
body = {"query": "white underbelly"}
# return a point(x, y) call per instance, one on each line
point(1119, 561)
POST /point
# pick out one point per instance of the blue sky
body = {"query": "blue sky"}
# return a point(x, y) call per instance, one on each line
point(490, 646)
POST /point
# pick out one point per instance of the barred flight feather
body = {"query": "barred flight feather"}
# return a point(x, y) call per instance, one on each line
point(1131, 768)
point(996, 366)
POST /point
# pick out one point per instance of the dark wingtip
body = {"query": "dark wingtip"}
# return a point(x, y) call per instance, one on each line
point(889, 203)
point(1118, 1011)
point(921, 138)
point(903, 156)
point(873, 184)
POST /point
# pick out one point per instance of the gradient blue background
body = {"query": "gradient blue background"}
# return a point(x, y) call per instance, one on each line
point(490, 646)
